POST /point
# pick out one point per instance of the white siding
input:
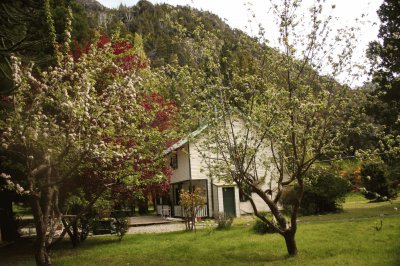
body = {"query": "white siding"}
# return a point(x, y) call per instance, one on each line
point(215, 200)
point(246, 208)
point(220, 200)
point(237, 202)
point(197, 163)
point(182, 172)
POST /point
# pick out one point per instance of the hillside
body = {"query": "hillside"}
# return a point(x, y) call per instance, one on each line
point(168, 31)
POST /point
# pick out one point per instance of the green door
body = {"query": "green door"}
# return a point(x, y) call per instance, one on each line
point(228, 194)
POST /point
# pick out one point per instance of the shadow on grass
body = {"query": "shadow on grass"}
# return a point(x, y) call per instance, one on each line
point(89, 243)
point(17, 252)
point(256, 258)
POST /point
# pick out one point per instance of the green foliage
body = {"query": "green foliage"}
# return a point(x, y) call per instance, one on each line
point(224, 221)
point(29, 29)
point(121, 224)
point(324, 192)
point(386, 52)
point(262, 228)
point(376, 181)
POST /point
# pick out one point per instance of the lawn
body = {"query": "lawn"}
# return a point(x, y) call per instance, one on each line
point(334, 239)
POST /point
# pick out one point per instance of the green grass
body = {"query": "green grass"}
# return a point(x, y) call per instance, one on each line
point(337, 239)
point(357, 207)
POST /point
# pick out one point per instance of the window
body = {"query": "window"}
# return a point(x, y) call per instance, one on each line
point(174, 161)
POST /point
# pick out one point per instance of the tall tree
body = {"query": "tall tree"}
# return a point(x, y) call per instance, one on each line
point(385, 54)
point(30, 29)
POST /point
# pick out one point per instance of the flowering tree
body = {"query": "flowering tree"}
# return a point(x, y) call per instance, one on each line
point(267, 128)
point(85, 110)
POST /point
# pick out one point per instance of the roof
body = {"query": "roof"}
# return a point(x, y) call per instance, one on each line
point(185, 140)
point(195, 133)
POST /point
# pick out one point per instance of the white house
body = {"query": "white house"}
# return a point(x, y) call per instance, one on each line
point(186, 158)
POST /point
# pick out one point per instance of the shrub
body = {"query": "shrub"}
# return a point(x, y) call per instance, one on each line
point(376, 182)
point(262, 228)
point(224, 221)
point(191, 203)
point(121, 227)
point(323, 192)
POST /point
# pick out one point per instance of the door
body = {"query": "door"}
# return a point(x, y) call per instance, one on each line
point(228, 194)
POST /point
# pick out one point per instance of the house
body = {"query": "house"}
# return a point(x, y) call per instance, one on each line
point(186, 158)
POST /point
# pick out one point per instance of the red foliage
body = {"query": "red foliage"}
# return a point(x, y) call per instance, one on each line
point(97, 176)
point(166, 111)
point(127, 60)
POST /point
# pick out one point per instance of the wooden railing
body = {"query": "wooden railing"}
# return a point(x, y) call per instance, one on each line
point(161, 210)
point(202, 212)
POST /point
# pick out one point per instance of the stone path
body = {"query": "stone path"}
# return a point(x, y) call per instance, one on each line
point(157, 228)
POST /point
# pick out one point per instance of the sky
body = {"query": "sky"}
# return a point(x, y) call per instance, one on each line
point(236, 13)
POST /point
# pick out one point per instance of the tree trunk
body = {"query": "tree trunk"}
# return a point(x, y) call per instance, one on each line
point(144, 206)
point(154, 199)
point(42, 256)
point(290, 243)
point(41, 205)
point(75, 234)
point(8, 226)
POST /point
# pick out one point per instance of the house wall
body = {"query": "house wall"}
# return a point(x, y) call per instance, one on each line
point(246, 208)
point(197, 162)
point(215, 201)
point(199, 168)
point(182, 172)
point(199, 171)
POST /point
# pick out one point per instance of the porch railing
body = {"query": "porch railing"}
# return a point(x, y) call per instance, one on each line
point(161, 210)
point(179, 212)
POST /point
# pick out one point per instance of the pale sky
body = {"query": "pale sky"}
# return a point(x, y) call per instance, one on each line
point(236, 14)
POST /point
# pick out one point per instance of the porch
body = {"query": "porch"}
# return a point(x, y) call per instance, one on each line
point(168, 205)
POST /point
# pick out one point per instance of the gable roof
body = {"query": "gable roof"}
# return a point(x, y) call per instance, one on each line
point(197, 132)
point(185, 140)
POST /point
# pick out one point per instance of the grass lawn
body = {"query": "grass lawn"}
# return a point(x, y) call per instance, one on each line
point(334, 239)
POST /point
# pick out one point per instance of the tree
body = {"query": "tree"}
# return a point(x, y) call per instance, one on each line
point(324, 191)
point(384, 55)
point(385, 109)
point(272, 125)
point(31, 29)
point(375, 177)
point(75, 112)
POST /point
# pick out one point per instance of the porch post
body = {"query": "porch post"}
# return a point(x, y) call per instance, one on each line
point(173, 201)
point(208, 200)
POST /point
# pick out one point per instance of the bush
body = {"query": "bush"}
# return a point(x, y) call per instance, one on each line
point(121, 224)
point(377, 184)
point(323, 192)
point(224, 221)
point(262, 228)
